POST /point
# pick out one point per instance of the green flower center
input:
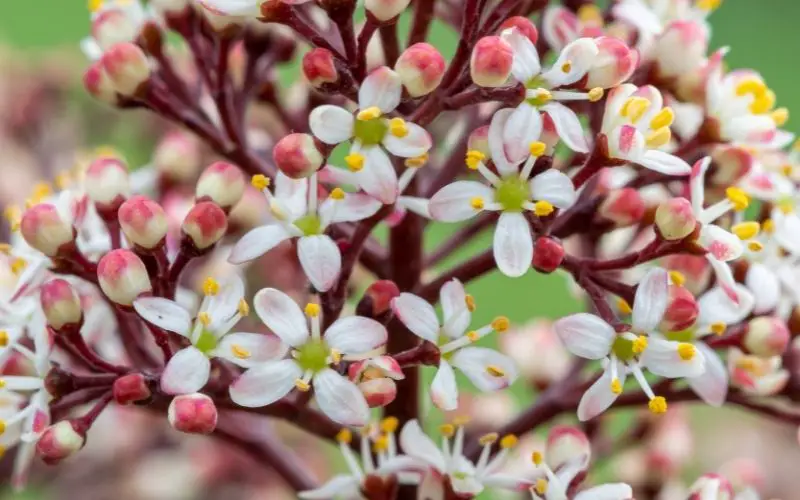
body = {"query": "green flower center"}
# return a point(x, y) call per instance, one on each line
point(309, 224)
point(681, 336)
point(207, 342)
point(313, 356)
point(623, 348)
point(511, 193)
point(534, 83)
point(370, 132)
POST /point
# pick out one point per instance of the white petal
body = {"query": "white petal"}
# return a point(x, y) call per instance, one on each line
point(417, 444)
point(521, 127)
point(721, 244)
point(526, 63)
point(282, 315)
point(599, 397)
point(474, 362)
point(331, 124)
point(291, 195)
point(444, 391)
point(464, 484)
point(457, 316)
point(243, 8)
point(513, 244)
point(416, 143)
point(339, 486)
point(616, 491)
point(265, 383)
point(506, 482)
point(417, 315)
point(259, 347)
point(164, 313)
point(711, 386)
point(21, 383)
point(321, 260)
point(186, 373)
point(568, 127)
point(555, 187)
point(661, 357)
point(257, 242)
point(354, 207)
point(715, 306)
point(664, 163)
point(419, 206)
point(787, 231)
point(355, 335)
point(378, 177)
point(651, 300)
point(585, 335)
point(225, 304)
point(382, 88)
point(340, 399)
point(580, 54)
point(452, 202)
point(766, 287)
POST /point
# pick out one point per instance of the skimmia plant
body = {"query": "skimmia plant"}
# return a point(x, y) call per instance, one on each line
point(604, 144)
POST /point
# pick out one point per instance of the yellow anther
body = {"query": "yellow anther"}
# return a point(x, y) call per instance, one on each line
point(616, 386)
point(590, 14)
point(2, 451)
point(398, 127)
point(537, 148)
point(543, 208)
point(786, 206)
point(787, 170)
point(708, 5)
point(658, 137)
point(658, 405)
point(389, 425)
point(500, 324)
point(344, 436)
point(381, 444)
point(718, 328)
point(470, 301)
point(41, 191)
point(541, 486)
point(768, 226)
point(204, 318)
point(780, 116)
point(509, 441)
point(461, 420)
point(2, 383)
point(477, 203)
point(746, 230)
point(473, 336)
point(260, 182)
point(752, 86)
point(18, 265)
point(474, 159)
point(367, 430)
point(240, 352)
point(543, 96)
point(5, 248)
point(686, 351)
point(354, 161)
point(634, 108)
point(639, 345)
point(94, 5)
point(62, 180)
point(664, 118)
point(677, 278)
point(738, 197)
point(447, 430)
point(755, 246)
point(337, 194)
point(596, 94)
point(495, 371)
point(312, 310)
point(487, 439)
point(566, 67)
point(13, 215)
point(243, 307)
point(623, 306)
point(370, 113)
point(302, 385)
point(3, 338)
point(2, 427)
point(336, 356)
point(763, 103)
point(210, 287)
point(418, 161)
point(537, 458)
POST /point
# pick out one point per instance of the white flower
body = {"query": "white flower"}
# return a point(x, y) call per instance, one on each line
point(555, 485)
point(372, 133)
point(296, 213)
point(650, 17)
point(488, 369)
point(209, 333)
point(512, 193)
point(348, 338)
point(132, 13)
point(637, 125)
point(755, 375)
point(590, 337)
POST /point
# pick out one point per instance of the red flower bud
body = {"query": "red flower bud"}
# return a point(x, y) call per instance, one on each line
point(177, 156)
point(60, 303)
point(490, 65)
point(98, 84)
point(766, 336)
point(675, 219)
point(45, 230)
point(524, 25)
point(681, 310)
point(107, 183)
point(421, 68)
point(384, 10)
point(193, 414)
point(205, 224)
point(59, 441)
point(378, 299)
point(623, 207)
point(131, 388)
point(127, 67)
point(319, 68)
point(614, 64)
point(143, 221)
point(376, 379)
point(122, 276)
point(547, 254)
point(297, 156)
point(221, 182)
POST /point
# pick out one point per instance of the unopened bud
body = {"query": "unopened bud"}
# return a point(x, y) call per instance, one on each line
point(60, 303)
point(566, 443)
point(614, 64)
point(548, 253)
point(98, 84)
point(247, 213)
point(681, 48)
point(193, 414)
point(490, 65)
point(143, 221)
point(205, 224)
point(479, 141)
point(319, 68)
point(681, 311)
point(122, 276)
point(131, 388)
point(107, 183)
point(297, 156)
point(177, 156)
point(59, 441)
point(523, 25)
point(376, 379)
point(766, 336)
point(378, 392)
point(421, 68)
point(384, 10)
point(127, 67)
point(221, 182)
point(623, 207)
point(731, 165)
point(675, 219)
point(45, 230)
point(377, 300)
point(113, 26)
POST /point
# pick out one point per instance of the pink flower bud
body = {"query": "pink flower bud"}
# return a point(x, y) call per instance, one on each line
point(377, 299)
point(490, 65)
point(421, 68)
point(143, 221)
point(45, 230)
point(98, 84)
point(384, 10)
point(547, 254)
point(122, 276)
point(131, 388)
point(681, 48)
point(675, 219)
point(177, 156)
point(376, 379)
point(681, 310)
point(247, 213)
point(524, 25)
point(297, 155)
point(614, 64)
point(701, 486)
point(623, 207)
point(221, 182)
point(60, 303)
point(766, 336)
point(479, 141)
point(566, 443)
point(732, 164)
point(127, 68)
point(205, 224)
point(193, 414)
point(112, 26)
point(319, 68)
point(59, 441)
point(107, 183)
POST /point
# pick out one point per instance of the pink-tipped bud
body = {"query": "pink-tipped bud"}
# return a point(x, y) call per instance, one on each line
point(45, 230)
point(479, 141)
point(127, 67)
point(566, 443)
point(60, 303)
point(421, 68)
point(177, 156)
point(384, 10)
point(675, 219)
point(523, 25)
point(490, 65)
point(107, 183)
point(623, 207)
point(131, 388)
point(319, 68)
point(221, 182)
point(122, 276)
point(143, 221)
point(614, 64)
point(60, 441)
point(113, 26)
point(766, 336)
point(377, 300)
point(681, 310)
point(681, 48)
point(98, 84)
point(193, 414)
point(548, 253)
point(297, 155)
point(732, 164)
point(376, 379)
point(247, 213)
point(205, 224)
point(710, 483)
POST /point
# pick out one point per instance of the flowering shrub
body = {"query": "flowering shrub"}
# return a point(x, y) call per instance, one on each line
point(613, 149)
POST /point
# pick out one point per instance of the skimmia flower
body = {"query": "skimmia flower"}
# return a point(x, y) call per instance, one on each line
point(555, 485)
point(373, 133)
point(560, 26)
point(313, 353)
point(652, 17)
point(113, 21)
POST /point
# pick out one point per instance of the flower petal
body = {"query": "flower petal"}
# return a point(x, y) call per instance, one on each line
point(22, 383)
point(513, 244)
point(599, 397)
point(444, 390)
point(378, 177)
point(585, 335)
point(417, 315)
point(257, 242)
point(526, 63)
point(568, 127)
point(354, 207)
point(721, 244)
point(452, 202)
point(664, 163)
point(331, 124)
point(661, 357)
point(416, 444)
point(266, 383)
point(520, 128)
point(479, 364)
point(716, 306)
point(258, 347)
point(186, 372)
point(555, 187)
point(341, 486)
point(164, 313)
point(355, 335)
point(457, 315)
point(615, 491)
point(225, 304)
point(382, 88)
point(321, 260)
point(766, 287)
point(711, 386)
point(650, 302)
point(576, 58)
point(340, 399)
point(282, 315)
point(244, 8)
point(416, 143)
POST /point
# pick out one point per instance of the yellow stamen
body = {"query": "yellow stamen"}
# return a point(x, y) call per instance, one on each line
point(13, 215)
point(509, 441)
point(204, 318)
point(370, 113)
point(62, 180)
point(738, 197)
point(260, 182)
point(447, 430)
point(488, 439)
point(477, 203)
point(543, 208)
point(752, 86)
point(210, 287)
point(336, 356)
point(763, 103)
point(461, 420)
point(312, 310)
point(470, 301)
point(500, 324)
point(2, 383)
point(5, 248)
point(418, 161)
point(590, 14)
point(495, 371)
point(243, 307)
point(786, 206)
point(302, 385)
point(596, 94)
point(718, 328)
point(787, 170)
point(537, 148)
point(398, 127)
point(240, 352)
point(544, 96)
point(17, 265)
point(677, 278)
point(366, 431)
point(780, 116)
point(537, 458)
point(381, 444)
point(389, 425)
point(686, 351)
point(337, 194)
point(634, 108)
point(474, 158)
point(566, 67)
point(3, 338)
point(658, 405)
point(639, 345)
point(658, 137)
point(623, 306)
point(541, 486)
point(768, 226)
point(94, 5)
point(473, 336)
point(664, 118)
point(354, 161)
point(344, 436)
point(2, 427)
point(708, 5)
point(2, 451)
point(41, 191)
point(616, 386)
point(755, 246)
point(746, 230)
